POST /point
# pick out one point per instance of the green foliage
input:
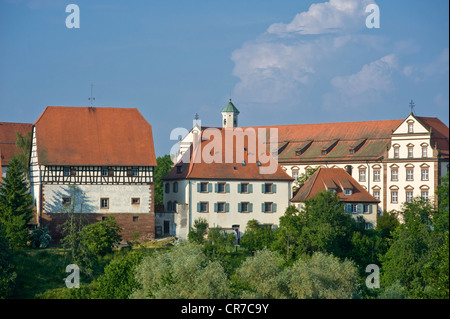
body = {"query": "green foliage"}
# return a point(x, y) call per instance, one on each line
point(367, 248)
point(7, 273)
point(198, 232)
point(441, 218)
point(323, 277)
point(85, 291)
point(23, 143)
point(387, 223)
point(184, 272)
point(15, 205)
point(40, 237)
point(119, 278)
point(164, 166)
point(100, 237)
point(256, 236)
point(262, 276)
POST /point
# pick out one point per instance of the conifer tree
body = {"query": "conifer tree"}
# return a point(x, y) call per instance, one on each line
point(15, 205)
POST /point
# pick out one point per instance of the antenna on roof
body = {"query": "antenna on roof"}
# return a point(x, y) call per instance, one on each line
point(91, 98)
point(411, 105)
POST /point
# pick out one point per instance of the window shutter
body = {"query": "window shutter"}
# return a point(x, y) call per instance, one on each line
point(263, 206)
point(370, 208)
point(216, 187)
point(227, 207)
point(250, 188)
point(198, 187)
point(239, 188)
point(209, 187)
point(239, 207)
point(198, 207)
point(215, 207)
point(250, 207)
point(274, 207)
point(263, 188)
point(347, 208)
point(227, 187)
point(360, 208)
point(274, 188)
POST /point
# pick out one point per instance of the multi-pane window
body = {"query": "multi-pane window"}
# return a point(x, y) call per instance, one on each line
point(410, 127)
point(203, 207)
point(244, 207)
point(221, 188)
point(396, 152)
point(376, 175)
point(425, 174)
point(347, 191)
point(295, 174)
point(221, 207)
point(104, 171)
point(409, 196)
point(104, 203)
point(394, 174)
point(424, 151)
point(362, 175)
point(203, 187)
point(135, 172)
point(410, 152)
point(268, 188)
point(244, 187)
point(66, 171)
point(424, 194)
point(394, 196)
point(376, 194)
point(268, 207)
point(409, 174)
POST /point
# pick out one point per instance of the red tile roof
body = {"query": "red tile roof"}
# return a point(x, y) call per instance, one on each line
point(94, 136)
point(222, 170)
point(8, 139)
point(439, 134)
point(338, 177)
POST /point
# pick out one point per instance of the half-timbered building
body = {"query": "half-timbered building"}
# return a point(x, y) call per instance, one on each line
point(98, 162)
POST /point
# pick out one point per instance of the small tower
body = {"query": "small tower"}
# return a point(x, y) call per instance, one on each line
point(230, 115)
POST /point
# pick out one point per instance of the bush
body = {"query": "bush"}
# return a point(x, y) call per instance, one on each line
point(7, 274)
point(40, 238)
point(184, 272)
point(99, 238)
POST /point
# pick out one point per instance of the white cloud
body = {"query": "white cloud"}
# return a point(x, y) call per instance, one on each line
point(365, 86)
point(327, 17)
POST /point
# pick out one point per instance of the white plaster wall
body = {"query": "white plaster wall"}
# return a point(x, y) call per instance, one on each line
point(119, 198)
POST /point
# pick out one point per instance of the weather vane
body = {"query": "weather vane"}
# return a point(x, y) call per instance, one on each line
point(411, 105)
point(91, 98)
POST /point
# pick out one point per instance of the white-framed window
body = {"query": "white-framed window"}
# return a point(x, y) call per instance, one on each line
point(410, 152)
point(424, 195)
point(202, 207)
point(409, 174)
point(424, 151)
point(394, 196)
point(376, 194)
point(410, 127)
point(362, 175)
point(409, 196)
point(396, 152)
point(348, 191)
point(394, 174)
point(376, 175)
point(104, 171)
point(425, 175)
point(135, 171)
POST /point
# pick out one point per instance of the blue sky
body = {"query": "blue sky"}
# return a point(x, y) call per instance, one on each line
point(281, 62)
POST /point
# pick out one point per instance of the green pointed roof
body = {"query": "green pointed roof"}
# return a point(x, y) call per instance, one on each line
point(230, 108)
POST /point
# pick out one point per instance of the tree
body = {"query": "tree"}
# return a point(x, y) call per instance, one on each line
point(164, 166)
point(15, 205)
point(198, 232)
point(100, 237)
point(256, 236)
point(119, 278)
point(323, 276)
point(387, 223)
point(183, 272)
point(7, 273)
point(263, 276)
point(441, 218)
point(23, 144)
point(413, 244)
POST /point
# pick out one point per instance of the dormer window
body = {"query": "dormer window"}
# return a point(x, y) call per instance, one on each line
point(410, 127)
point(179, 169)
point(348, 191)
